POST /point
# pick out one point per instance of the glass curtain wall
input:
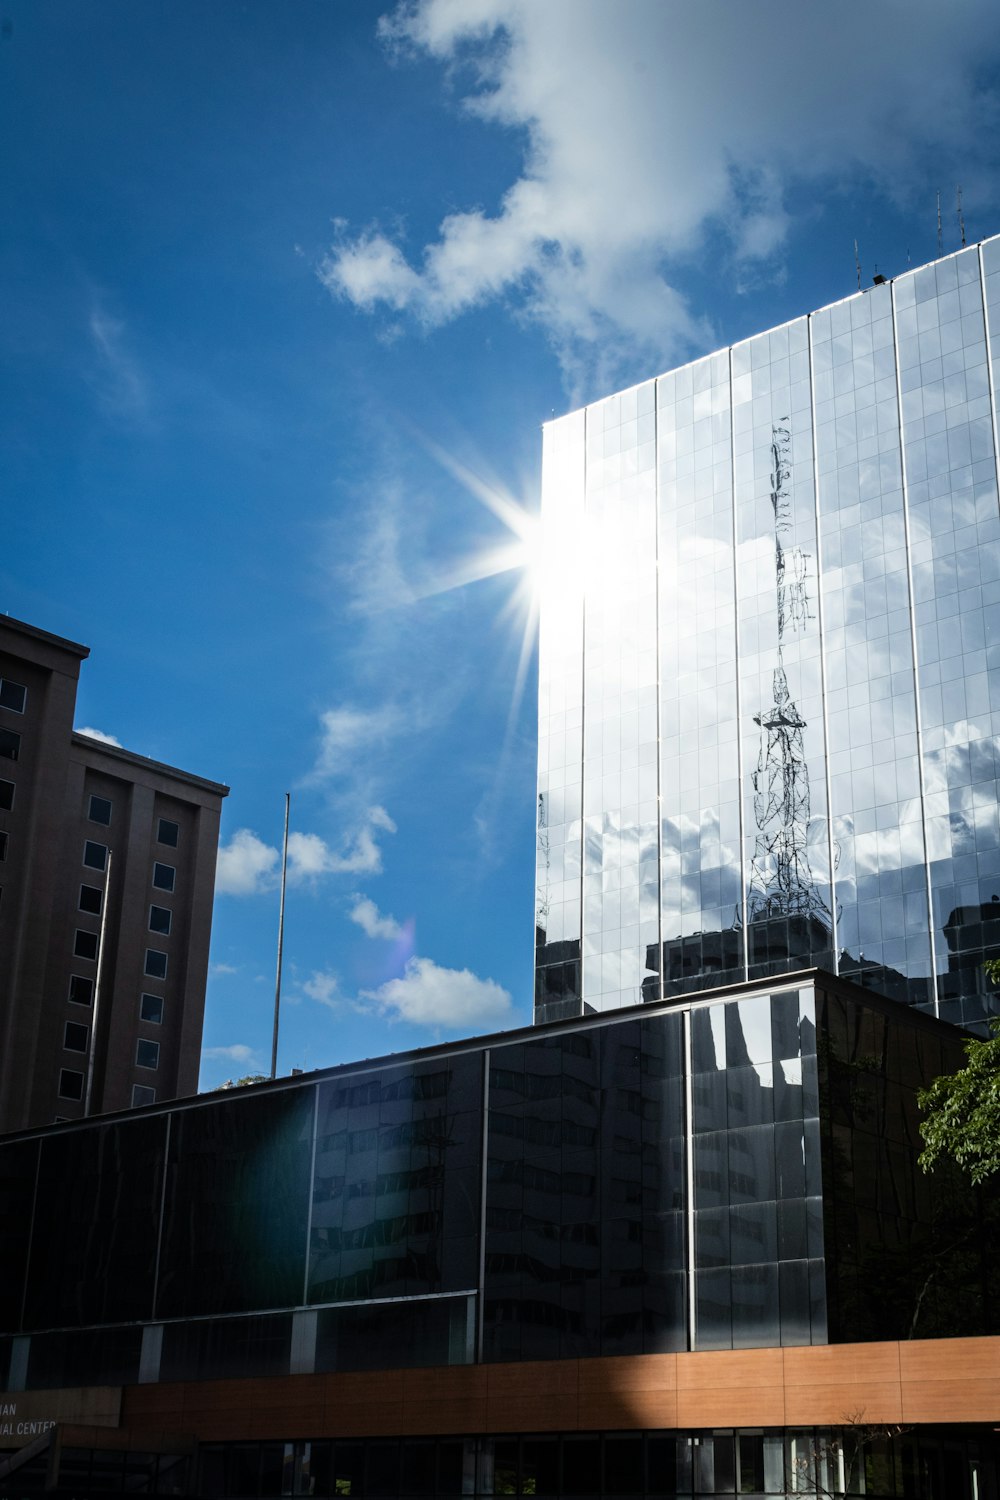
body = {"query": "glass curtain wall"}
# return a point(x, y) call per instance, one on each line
point(560, 725)
point(700, 864)
point(795, 643)
point(950, 472)
point(880, 882)
point(786, 850)
point(620, 852)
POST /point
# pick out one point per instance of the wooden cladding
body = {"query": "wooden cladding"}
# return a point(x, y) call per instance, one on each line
point(923, 1381)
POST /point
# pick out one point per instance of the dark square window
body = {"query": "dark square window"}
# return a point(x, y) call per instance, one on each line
point(70, 1084)
point(156, 963)
point(85, 944)
point(147, 1054)
point(6, 795)
point(75, 1036)
point(163, 876)
point(151, 1009)
point(3, 845)
point(95, 856)
point(10, 744)
point(143, 1094)
point(159, 920)
point(12, 695)
point(167, 833)
point(90, 899)
point(81, 990)
point(100, 810)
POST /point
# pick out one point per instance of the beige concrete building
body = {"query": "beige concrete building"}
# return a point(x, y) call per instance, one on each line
point(107, 868)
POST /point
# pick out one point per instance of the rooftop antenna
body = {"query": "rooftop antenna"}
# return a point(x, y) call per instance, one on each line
point(940, 241)
point(857, 264)
point(281, 941)
point(961, 221)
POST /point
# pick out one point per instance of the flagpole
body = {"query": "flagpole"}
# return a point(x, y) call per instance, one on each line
point(281, 940)
point(88, 1095)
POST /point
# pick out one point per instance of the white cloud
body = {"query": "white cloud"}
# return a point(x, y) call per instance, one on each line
point(309, 856)
point(246, 865)
point(324, 988)
point(98, 734)
point(427, 995)
point(223, 969)
point(239, 1052)
point(651, 130)
point(375, 923)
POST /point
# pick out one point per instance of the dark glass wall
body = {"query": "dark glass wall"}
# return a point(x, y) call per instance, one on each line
point(93, 1255)
point(236, 1205)
point(585, 1194)
point(397, 1182)
point(908, 1255)
point(738, 1172)
point(396, 1335)
point(803, 1461)
point(18, 1170)
point(80, 1357)
point(226, 1348)
point(758, 1227)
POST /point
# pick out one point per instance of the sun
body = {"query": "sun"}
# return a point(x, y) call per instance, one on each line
point(523, 551)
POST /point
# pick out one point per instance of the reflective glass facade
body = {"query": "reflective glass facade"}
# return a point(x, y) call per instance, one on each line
point(734, 1171)
point(770, 645)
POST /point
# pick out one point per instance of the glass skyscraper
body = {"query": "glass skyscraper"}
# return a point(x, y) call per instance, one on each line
point(769, 697)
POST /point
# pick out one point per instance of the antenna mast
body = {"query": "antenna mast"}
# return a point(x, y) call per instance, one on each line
point(961, 221)
point(857, 264)
point(940, 241)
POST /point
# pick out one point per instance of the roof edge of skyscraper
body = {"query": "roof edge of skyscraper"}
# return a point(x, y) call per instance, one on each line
point(764, 332)
point(34, 632)
point(132, 757)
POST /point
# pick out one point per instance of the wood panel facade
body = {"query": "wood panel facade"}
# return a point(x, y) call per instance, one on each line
point(924, 1381)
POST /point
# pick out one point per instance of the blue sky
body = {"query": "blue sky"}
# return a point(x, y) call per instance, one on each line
point(288, 291)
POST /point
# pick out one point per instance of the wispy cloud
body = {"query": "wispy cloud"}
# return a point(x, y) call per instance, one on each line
point(428, 995)
point(374, 923)
point(99, 734)
point(647, 128)
point(378, 580)
point(122, 387)
point(223, 969)
point(346, 732)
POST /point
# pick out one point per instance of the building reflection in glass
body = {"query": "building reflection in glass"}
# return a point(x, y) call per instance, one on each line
point(770, 678)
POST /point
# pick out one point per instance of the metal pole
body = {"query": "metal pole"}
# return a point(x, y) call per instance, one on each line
point(281, 940)
point(97, 987)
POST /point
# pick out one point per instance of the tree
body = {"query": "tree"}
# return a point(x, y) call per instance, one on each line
point(241, 1083)
point(852, 1461)
point(962, 1110)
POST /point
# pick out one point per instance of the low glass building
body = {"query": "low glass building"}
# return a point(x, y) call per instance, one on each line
point(492, 1267)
